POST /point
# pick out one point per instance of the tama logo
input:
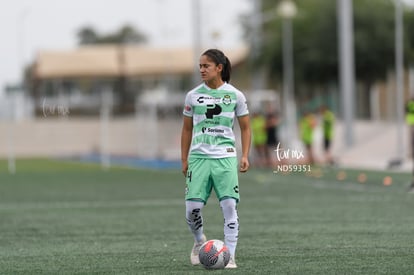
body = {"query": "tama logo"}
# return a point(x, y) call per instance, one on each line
point(212, 130)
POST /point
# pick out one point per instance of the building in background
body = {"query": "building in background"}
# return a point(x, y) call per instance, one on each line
point(76, 78)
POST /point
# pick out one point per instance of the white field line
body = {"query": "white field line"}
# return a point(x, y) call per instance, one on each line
point(90, 204)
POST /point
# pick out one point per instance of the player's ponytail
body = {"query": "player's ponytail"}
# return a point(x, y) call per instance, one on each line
point(218, 57)
point(226, 72)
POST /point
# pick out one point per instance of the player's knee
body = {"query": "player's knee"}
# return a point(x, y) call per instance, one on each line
point(229, 208)
point(229, 205)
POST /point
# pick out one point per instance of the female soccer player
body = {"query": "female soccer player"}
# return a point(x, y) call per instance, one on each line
point(208, 151)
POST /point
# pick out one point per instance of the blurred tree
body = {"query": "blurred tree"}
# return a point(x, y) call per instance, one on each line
point(315, 35)
point(315, 40)
point(87, 35)
point(374, 37)
point(125, 35)
point(409, 35)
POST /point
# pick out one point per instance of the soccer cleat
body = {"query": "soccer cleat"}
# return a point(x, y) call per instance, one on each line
point(231, 264)
point(196, 249)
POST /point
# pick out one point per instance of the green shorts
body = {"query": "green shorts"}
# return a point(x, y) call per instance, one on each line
point(205, 174)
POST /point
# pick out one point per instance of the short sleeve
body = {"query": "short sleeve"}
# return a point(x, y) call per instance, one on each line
point(188, 108)
point(241, 105)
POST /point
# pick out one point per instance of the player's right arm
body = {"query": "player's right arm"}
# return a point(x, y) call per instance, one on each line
point(186, 137)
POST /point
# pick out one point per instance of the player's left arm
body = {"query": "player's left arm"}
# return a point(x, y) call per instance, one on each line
point(244, 122)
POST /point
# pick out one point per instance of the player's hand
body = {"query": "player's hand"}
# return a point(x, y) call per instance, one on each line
point(244, 165)
point(184, 167)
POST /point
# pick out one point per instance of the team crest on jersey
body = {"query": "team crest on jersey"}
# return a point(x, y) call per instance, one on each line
point(226, 100)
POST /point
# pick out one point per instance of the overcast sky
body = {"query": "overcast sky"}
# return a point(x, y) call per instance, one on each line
point(27, 26)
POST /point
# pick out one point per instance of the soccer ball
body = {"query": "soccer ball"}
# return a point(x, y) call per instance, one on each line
point(214, 254)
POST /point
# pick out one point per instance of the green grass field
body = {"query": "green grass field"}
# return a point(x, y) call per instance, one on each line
point(73, 218)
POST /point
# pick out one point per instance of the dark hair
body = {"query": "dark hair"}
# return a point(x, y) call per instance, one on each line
point(218, 57)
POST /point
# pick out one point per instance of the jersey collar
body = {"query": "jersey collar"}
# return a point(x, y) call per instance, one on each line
point(219, 88)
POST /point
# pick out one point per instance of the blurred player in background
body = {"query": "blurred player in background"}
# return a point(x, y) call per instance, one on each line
point(307, 126)
point(272, 139)
point(409, 118)
point(208, 151)
point(328, 123)
point(258, 125)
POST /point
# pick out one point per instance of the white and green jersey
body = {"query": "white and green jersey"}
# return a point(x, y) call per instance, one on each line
point(213, 112)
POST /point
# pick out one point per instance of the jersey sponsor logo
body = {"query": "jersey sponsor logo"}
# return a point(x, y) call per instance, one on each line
point(212, 130)
point(211, 121)
point(230, 150)
point(213, 109)
point(200, 99)
point(208, 99)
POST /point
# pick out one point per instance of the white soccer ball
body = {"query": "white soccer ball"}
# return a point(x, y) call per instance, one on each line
point(214, 254)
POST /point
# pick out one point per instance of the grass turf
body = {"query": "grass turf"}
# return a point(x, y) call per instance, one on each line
point(72, 218)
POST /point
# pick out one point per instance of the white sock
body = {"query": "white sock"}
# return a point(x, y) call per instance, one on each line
point(231, 224)
point(195, 219)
